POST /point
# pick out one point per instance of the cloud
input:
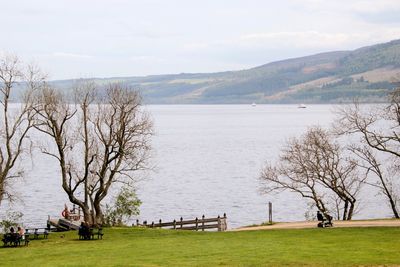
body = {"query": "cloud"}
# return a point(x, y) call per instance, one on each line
point(319, 41)
point(368, 6)
point(362, 6)
point(304, 39)
point(71, 55)
point(147, 59)
point(294, 40)
point(195, 46)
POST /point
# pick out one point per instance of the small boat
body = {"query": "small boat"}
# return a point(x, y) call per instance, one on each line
point(254, 104)
point(301, 106)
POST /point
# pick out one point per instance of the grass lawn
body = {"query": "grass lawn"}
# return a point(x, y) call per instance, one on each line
point(152, 247)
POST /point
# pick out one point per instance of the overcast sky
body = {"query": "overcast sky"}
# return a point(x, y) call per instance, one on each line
point(99, 38)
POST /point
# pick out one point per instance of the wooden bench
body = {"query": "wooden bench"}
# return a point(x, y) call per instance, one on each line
point(98, 232)
point(36, 233)
point(14, 240)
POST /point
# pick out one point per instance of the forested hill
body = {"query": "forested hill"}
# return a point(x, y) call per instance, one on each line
point(367, 73)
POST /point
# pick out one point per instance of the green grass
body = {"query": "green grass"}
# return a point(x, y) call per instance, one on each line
point(150, 247)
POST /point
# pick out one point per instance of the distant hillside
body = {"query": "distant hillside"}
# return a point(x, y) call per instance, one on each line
point(368, 73)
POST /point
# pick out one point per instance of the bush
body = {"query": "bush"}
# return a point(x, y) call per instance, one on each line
point(126, 205)
point(12, 219)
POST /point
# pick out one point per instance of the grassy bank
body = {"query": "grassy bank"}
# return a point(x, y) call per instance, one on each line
point(149, 247)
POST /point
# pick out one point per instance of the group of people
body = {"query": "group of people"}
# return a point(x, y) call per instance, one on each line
point(84, 231)
point(14, 237)
point(19, 233)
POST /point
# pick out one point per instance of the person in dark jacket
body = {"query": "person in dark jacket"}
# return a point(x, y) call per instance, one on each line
point(320, 217)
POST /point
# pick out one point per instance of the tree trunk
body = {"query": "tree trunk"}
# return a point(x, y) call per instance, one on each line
point(393, 206)
point(1, 190)
point(346, 206)
point(85, 209)
point(99, 218)
point(86, 215)
point(389, 196)
point(351, 210)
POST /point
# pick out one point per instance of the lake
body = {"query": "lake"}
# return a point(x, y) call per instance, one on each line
point(207, 161)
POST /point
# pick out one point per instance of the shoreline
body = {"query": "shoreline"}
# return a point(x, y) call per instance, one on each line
point(313, 224)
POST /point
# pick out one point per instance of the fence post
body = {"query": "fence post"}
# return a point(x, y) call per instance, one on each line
point(202, 223)
point(219, 223)
point(160, 223)
point(181, 222)
point(197, 224)
point(174, 224)
point(152, 224)
point(225, 223)
point(137, 222)
point(270, 212)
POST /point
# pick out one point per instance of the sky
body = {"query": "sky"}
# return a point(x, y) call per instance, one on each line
point(119, 38)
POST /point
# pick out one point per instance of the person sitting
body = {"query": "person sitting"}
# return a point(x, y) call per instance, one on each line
point(14, 237)
point(84, 231)
point(319, 216)
point(324, 221)
point(87, 231)
point(81, 231)
point(21, 232)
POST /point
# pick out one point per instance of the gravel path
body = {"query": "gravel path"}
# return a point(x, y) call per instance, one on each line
point(307, 224)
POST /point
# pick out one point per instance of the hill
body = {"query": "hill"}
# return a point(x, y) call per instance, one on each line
point(367, 73)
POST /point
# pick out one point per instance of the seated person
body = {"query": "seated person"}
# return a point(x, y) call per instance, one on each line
point(14, 236)
point(320, 217)
point(324, 222)
point(21, 232)
point(84, 231)
point(81, 231)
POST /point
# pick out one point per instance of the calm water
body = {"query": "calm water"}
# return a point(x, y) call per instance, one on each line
point(207, 160)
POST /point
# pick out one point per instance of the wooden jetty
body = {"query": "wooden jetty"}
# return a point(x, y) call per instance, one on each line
point(63, 224)
point(71, 220)
point(196, 224)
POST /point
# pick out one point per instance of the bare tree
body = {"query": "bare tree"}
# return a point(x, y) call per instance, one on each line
point(100, 142)
point(316, 167)
point(16, 120)
point(384, 175)
point(377, 128)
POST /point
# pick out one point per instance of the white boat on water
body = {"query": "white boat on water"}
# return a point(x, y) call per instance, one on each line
point(302, 106)
point(254, 104)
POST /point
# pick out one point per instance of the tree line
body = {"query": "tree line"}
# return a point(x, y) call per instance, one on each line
point(99, 141)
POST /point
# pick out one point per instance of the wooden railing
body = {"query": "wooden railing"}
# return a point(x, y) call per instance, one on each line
point(195, 224)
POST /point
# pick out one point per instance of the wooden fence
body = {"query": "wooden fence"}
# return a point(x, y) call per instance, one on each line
point(196, 224)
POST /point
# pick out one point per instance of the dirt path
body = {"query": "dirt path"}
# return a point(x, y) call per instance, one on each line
point(301, 225)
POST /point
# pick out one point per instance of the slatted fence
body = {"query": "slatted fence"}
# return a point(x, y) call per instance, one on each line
point(219, 223)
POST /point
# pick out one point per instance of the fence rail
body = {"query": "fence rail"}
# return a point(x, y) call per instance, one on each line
point(197, 224)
